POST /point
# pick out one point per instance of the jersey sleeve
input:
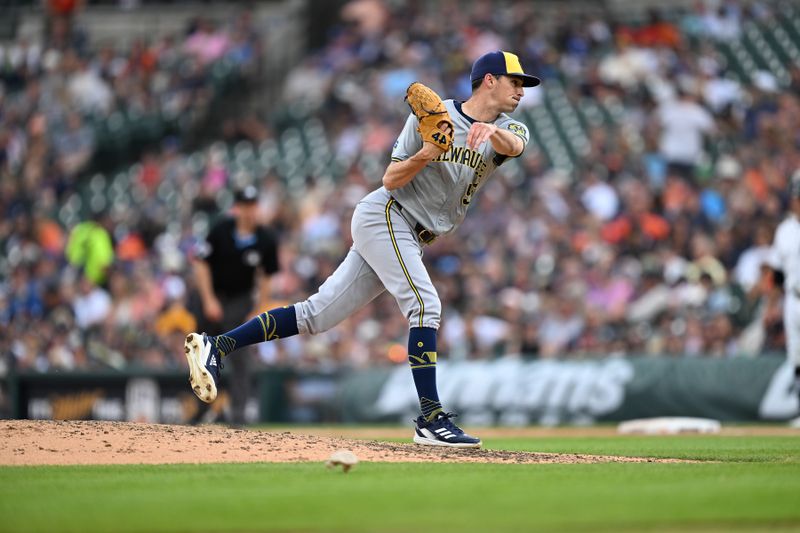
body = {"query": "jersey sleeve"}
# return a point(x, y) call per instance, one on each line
point(517, 128)
point(409, 142)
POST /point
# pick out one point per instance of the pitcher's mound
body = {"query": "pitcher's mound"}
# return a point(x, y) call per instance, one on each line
point(33, 442)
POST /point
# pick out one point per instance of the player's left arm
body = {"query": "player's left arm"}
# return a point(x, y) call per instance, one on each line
point(507, 139)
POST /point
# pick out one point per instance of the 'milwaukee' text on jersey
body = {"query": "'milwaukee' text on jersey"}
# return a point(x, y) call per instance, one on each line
point(464, 156)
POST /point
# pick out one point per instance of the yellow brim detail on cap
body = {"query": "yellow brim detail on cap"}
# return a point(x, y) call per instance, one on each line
point(512, 64)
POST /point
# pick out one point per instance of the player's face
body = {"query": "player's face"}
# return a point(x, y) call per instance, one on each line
point(508, 93)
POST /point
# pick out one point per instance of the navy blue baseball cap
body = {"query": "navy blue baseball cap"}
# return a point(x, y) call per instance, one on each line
point(505, 63)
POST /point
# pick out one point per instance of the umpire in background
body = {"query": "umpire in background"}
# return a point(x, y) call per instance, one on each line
point(232, 269)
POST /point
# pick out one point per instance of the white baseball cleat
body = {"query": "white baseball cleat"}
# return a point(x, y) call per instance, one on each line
point(204, 364)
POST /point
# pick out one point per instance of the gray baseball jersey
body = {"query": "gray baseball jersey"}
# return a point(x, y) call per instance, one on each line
point(389, 229)
point(438, 197)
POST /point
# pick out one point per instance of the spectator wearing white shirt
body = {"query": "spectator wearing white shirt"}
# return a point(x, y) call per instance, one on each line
point(598, 197)
point(684, 125)
point(91, 304)
point(87, 89)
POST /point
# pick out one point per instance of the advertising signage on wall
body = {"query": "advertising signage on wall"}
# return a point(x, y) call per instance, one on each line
point(504, 391)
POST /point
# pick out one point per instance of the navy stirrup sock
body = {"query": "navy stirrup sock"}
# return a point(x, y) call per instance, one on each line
point(277, 323)
point(422, 358)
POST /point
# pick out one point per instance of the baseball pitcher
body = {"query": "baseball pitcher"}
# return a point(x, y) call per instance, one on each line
point(444, 155)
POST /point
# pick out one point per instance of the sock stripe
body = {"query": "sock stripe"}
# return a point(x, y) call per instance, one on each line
point(271, 320)
point(420, 361)
point(263, 326)
point(276, 323)
point(225, 344)
point(269, 325)
point(430, 408)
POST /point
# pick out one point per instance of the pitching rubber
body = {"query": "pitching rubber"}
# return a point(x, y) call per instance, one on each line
point(200, 379)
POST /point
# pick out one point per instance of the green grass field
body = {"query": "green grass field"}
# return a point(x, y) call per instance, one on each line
point(741, 484)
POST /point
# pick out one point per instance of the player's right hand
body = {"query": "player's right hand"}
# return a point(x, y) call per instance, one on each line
point(212, 309)
point(479, 133)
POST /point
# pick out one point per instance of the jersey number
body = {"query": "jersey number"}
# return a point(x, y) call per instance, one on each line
point(439, 138)
point(467, 198)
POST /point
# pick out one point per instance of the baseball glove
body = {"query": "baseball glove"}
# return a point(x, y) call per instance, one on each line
point(432, 115)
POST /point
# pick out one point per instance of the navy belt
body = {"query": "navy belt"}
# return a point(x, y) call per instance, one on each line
point(424, 235)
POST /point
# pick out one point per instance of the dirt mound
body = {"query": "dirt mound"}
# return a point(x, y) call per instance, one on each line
point(29, 442)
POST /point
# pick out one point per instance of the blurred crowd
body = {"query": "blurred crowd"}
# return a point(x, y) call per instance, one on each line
point(653, 242)
point(91, 295)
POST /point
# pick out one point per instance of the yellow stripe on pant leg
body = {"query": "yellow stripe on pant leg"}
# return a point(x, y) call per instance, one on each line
point(402, 264)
